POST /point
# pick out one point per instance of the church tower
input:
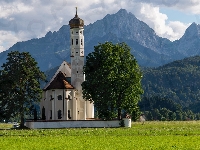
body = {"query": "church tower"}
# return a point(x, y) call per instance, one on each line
point(77, 50)
point(84, 108)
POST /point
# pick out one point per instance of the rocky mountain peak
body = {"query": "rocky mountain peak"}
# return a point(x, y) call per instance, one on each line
point(192, 30)
point(189, 43)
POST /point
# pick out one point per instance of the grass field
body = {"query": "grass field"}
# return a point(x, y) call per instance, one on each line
point(5, 126)
point(151, 135)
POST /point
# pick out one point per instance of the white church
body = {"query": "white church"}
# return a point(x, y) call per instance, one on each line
point(62, 96)
point(62, 104)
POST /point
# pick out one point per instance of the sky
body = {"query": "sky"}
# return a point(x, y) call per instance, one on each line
point(22, 20)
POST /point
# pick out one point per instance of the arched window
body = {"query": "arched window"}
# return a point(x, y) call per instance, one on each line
point(43, 113)
point(50, 114)
point(69, 115)
point(76, 41)
point(59, 114)
point(59, 97)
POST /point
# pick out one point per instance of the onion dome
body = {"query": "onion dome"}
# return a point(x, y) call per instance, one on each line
point(76, 22)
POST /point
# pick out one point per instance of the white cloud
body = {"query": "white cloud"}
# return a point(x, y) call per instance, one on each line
point(178, 29)
point(23, 20)
point(6, 39)
point(151, 15)
point(191, 6)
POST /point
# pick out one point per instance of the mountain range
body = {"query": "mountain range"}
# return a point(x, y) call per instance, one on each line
point(149, 49)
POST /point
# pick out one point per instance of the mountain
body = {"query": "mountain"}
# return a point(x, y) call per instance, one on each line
point(178, 80)
point(149, 49)
point(189, 44)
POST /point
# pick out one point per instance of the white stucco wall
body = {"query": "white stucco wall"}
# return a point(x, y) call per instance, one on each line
point(73, 124)
point(56, 104)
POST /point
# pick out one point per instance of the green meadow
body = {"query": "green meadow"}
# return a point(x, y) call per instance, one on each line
point(150, 135)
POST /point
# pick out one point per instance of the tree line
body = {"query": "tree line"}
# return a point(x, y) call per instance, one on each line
point(165, 109)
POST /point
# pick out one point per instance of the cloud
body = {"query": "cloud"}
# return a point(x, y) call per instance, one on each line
point(22, 20)
point(151, 15)
point(7, 38)
point(191, 6)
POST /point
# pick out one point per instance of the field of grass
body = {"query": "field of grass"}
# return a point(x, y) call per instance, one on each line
point(5, 126)
point(151, 135)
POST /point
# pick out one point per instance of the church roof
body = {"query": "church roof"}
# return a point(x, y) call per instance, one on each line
point(67, 85)
point(59, 82)
point(76, 22)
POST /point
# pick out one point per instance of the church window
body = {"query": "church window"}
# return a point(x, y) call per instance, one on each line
point(76, 41)
point(50, 114)
point(59, 97)
point(69, 114)
point(72, 42)
point(69, 98)
point(43, 113)
point(59, 114)
point(51, 98)
point(81, 41)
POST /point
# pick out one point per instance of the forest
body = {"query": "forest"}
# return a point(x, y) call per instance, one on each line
point(171, 92)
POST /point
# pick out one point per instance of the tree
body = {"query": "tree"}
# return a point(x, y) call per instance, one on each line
point(19, 85)
point(113, 80)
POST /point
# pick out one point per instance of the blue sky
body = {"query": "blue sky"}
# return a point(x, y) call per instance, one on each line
point(22, 20)
point(174, 15)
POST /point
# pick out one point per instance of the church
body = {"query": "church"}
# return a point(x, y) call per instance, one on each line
point(62, 97)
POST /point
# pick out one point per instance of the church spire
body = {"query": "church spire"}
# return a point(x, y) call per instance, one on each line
point(76, 22)
point(76, 13)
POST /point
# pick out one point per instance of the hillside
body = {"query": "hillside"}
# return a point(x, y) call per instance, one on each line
point(178, 81)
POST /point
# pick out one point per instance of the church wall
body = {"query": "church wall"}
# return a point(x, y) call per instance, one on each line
point(90, 109)
point(66, 70)
point(80, 109)
point(46, 103)
point(76, 124)
point(69, 111)
point(53, 102)
point(59, 95)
